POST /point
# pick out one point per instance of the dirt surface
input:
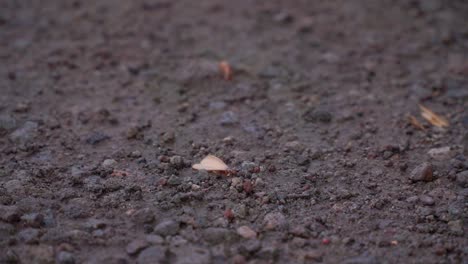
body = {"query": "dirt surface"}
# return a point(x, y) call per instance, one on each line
point(105, 105)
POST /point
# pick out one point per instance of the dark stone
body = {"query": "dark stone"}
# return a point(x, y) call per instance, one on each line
point(96, 138)
point(317, 115)
point(9, 214)
point(9, 257)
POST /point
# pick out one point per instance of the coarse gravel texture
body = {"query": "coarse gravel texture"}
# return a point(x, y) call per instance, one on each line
point(105, 105)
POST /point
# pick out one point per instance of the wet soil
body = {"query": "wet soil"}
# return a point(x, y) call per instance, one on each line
point(105, 105)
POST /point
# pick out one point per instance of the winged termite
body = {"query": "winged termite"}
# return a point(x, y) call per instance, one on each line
point(433, 118)
point(211, 163)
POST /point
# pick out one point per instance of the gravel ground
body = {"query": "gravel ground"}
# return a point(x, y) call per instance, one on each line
point(105, 105)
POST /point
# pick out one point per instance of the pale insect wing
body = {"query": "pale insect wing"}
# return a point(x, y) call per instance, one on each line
point(198, 166)
point(211, 162)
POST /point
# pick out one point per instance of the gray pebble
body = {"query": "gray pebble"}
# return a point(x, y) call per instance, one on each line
point(191, 255)
point(248, 166)
point(268, 253)
point(217, 105)
point(154, 239)
point(228, 118)
point(283, 17)
point(77, 208)
point(109, 163)
point(7, 123)
point(15, 186)
point(33, 219)
point(412, 199)
point(174, 180)
point(456, 227)
point(168, 137)
point(143, 216)
point(152, 255)
point(426, 200)
point(250, 246)
point(96, 138)
point(177, 161)
point(28, 235)
point(9, 214)
point(93, 224)
point(217, 235)
point(9, 256)
point(167, 228)
point(136, 246)
point(5, 231)
point(462, 179)
point(275, 221)
point(64, 257)
point(362, 260)
point(135, 154)
point(26, 132)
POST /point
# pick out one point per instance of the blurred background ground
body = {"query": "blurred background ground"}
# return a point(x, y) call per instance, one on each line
point(104, 106)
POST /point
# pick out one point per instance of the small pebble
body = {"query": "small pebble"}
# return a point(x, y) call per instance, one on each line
point(153, 254)
point(29, 235)
point(109, 163)
point(154, 239)
point(174, 180)
point(9, 214)
point(96, 138)
point(33, 219)
point(462, 179)
point(456, 227)
point(423, 172)
point(167, 228)
point(136, 246)
point(176, 161)
point(24, 133)
point(317, 115)
point(442, 153)
point(135, 154)
point(228, 118)
point(246, 232)
point(426, 200)
point(216, 235)
point(64, 257)
point(275, 221)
